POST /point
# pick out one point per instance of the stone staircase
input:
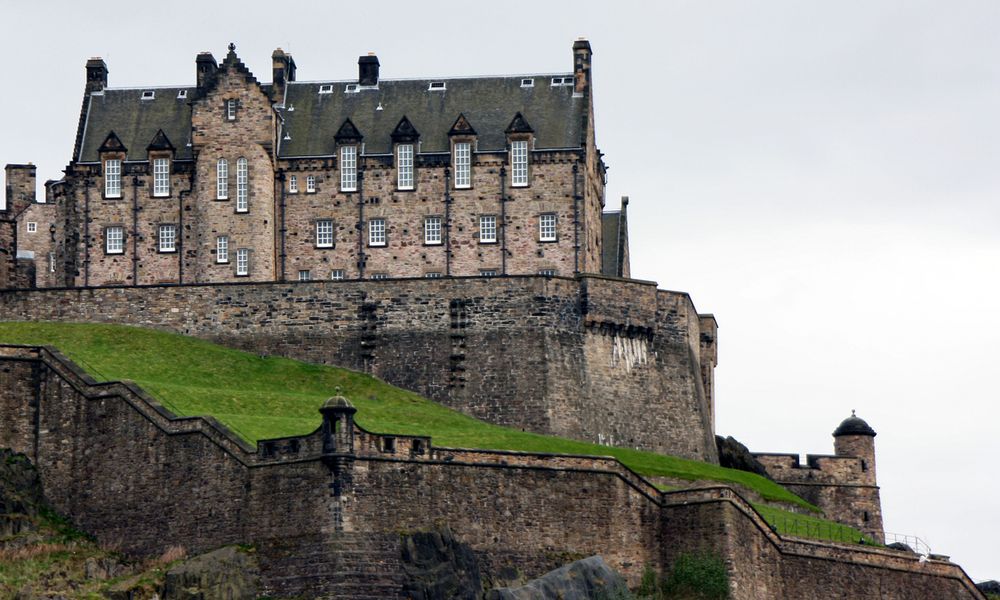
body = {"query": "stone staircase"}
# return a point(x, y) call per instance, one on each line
point(350, 566)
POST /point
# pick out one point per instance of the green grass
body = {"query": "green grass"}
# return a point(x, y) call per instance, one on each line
point(269, 397)
point(790, 523)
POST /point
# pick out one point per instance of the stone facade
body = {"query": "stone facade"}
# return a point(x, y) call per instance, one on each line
point(259, 169)
point(20, 196)
point(843, 485)
point(325, 511)
point(572, 357)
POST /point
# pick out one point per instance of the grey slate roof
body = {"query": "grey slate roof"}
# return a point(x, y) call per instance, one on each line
point(136, 121)
point(489, 104)
point(614, 231)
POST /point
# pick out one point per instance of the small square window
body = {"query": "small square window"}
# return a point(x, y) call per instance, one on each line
point(436, 86)
point(547, 228)
point(337, 274)
point(324, 233)
point(527, 83)
point(148, 95)
point(351, 88)
point(432, 231)
point(32, 226)
point(311, 184)
point(182, 94)
point(389, 445)
point(167, 238)
point(293, 184)
point(326, 88)
point(376, 232)
point(304, 275)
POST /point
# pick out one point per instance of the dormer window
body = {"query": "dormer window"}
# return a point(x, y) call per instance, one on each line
point(519, 163)
point(326, 88)
point(527, 83)
point(148, 95)
point(436, 86)
point(349, 168)
point(182, 94)
point(463, 165)
point(113, 178)
point(161, 177)
point(404, 166)
point(231, 110)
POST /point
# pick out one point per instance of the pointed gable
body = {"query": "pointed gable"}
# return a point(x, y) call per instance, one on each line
point(112, 144)
point(347, 133)
point(519, 125)
point(405, 132)
point(233, 64)
point(461, 126)
point(160, 142)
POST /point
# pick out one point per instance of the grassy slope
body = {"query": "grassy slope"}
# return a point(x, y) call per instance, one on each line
point(271, 397)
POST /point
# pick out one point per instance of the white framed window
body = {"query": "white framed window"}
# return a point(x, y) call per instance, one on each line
point(114, 240)
point(293, 184)
point(487, 272)
point(326, 88)
point(222, 249)
point(432, 230)
point(380, 276)
point(547, 228)
point(337, 275)
point(433, 275)
point(242, 261)
point(149, 95)
point(222, 179)
point(167, 238)
point(528, 83)
point(324, 233)
point(519, 163)
point(161, 177)
point(437, 86)
point(349, 169)
point(242, 188)
point(32, 226)
point(487, 229)
point(547, 272)
point(113, 178)
point(304, 275)
point(182, 94)
point(376, 232)
point(311, 184)
point(231, 110)
point(463, 165)
point(404, 166)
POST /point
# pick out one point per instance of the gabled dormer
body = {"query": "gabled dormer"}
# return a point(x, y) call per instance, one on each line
point(348, 140)
point(161, 156)
point(462, 137)
point(229, 97)
point(520, 138)
point(112, 152)
point(404, 144)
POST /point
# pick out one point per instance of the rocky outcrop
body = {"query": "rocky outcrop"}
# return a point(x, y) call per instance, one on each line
point(582, 580)
point(734, 455)
point(439, 567)
point(228, 573)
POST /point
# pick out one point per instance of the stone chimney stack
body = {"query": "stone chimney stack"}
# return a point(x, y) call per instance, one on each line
point(205, 68)
point(97, 75)
point(282, 73)
point(581, 66)
point(20, 193)
point(368, 69)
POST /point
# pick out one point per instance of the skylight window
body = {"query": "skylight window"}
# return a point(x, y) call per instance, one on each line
point(436, 86)
point(557, 81)
point(326, 88)
point(182, 94)
point(527, 83)
point(351, 88)
point(148, 95)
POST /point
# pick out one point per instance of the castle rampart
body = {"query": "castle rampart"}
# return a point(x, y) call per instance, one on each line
point(138, 478)
point(572, 357)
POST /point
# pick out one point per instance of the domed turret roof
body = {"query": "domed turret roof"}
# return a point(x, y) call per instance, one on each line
point(854, 425)
point(337, 402)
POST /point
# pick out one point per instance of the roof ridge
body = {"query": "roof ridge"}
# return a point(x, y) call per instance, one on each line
point(445, 78)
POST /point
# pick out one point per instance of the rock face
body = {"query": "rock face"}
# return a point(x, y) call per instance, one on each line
point(582, 580)
point(439, 567)
point(227, 573)
point(20, 493)
point(735, 455)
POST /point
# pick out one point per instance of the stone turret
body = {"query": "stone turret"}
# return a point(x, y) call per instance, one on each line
point(855, 438)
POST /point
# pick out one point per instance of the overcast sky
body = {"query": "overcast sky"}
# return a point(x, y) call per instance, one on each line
point(824, 177)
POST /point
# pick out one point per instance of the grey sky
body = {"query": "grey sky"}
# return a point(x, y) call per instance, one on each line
point(823, 177)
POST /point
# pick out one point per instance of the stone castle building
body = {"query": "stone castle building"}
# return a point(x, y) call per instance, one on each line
point(230, 179)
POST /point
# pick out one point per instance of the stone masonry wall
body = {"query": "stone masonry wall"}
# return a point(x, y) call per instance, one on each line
point(571, 357)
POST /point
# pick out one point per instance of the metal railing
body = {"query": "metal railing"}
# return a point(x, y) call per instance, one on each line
point(828, 531)
point(912, 542)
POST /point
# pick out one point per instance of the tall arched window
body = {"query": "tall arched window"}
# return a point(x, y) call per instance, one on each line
point(222, 180)
point(242, 204)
